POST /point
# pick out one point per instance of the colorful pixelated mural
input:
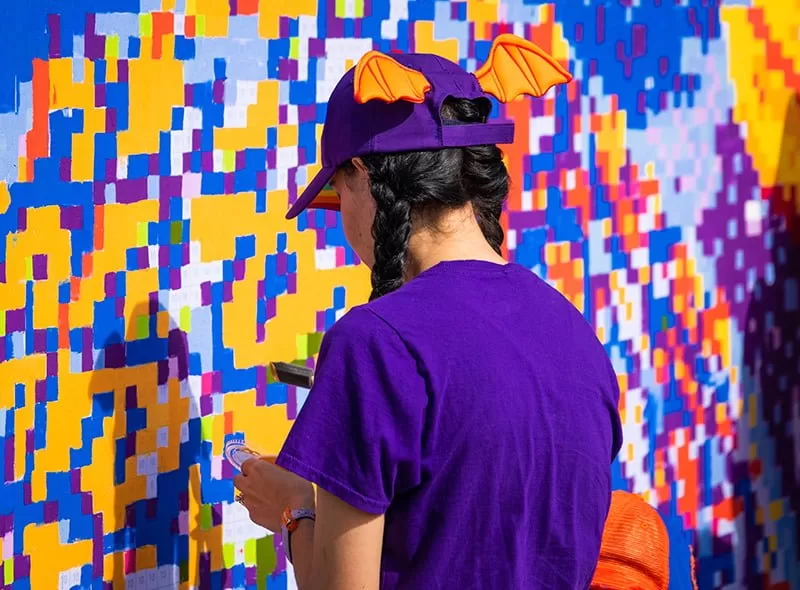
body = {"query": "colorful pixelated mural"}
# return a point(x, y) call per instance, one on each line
point(149, 150)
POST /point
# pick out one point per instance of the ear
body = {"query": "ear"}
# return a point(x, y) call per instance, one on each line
point(517, 66)
point(359, 165)
point(381, 77)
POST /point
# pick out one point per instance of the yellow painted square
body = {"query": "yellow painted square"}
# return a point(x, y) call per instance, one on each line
point(721, 414)
point(287, 135)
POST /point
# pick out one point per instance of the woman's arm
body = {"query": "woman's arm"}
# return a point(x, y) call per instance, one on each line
point(342, 551)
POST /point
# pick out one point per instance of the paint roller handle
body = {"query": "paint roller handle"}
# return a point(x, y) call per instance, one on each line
point(292, 374)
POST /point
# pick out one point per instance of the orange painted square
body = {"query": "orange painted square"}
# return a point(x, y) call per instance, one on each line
point(247, 7)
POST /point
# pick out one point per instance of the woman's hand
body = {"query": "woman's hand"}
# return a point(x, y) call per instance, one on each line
point(267, 489)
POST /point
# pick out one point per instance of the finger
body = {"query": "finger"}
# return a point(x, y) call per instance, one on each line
point(248, 465)
point(239, 481)
point(269, 458)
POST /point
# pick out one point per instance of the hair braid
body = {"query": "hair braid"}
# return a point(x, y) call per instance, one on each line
point(489, 222)
point(391, 231)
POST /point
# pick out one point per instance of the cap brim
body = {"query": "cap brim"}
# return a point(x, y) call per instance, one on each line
point(315, 194)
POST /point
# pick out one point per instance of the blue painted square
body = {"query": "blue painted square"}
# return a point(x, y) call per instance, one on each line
point(134, 47)
point(177, 118)
point(245, 247)
point(184, 48)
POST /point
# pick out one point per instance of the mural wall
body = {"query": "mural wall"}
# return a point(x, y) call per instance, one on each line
point(148, 152)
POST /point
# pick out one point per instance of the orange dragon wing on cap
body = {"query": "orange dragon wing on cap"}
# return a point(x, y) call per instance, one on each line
point(517, 66)
point(381, 77)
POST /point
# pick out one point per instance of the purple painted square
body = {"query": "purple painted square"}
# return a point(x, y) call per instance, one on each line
point(316, 47)
point(216, 379)
point(72, 217)
point(52, 363)
point(207, 162)
point(100, 95)
point(22, 219)
point(75, 481)
point(130, 444)
point(183, 501)
point(65, 169)
point(40, 390)
point(131, 397)
point(216, 514)
point(99, 192)
point(111, 120)
point(39, 341)
point(239, 267)
point(142, 257)
point(22, 567)
point(87, 505)
point(307, 113)
point(115, 356)
point(218, 91)
point(163, 255)
point(281, 263)
point(110, 284)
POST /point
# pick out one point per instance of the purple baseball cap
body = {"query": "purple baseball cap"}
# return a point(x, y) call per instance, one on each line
point(389, 104)
point(354, 128)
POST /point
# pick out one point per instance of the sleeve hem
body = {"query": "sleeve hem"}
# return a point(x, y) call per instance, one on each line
point(331, 485)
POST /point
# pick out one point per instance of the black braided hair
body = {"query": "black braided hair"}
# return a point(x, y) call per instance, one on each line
point(424, 182)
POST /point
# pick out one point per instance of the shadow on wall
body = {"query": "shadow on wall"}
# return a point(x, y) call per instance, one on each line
point(767, 486)
point(156, 451)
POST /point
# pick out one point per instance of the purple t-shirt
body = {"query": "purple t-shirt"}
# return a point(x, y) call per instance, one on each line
point(476, 408)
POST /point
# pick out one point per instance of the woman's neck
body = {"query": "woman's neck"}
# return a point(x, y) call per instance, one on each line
point(456, 236)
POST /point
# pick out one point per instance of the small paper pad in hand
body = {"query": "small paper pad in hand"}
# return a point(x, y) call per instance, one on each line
point(236, 452)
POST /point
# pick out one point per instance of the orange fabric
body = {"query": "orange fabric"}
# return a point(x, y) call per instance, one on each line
point(517, 66)
point(381, 77)
point(634, 553)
